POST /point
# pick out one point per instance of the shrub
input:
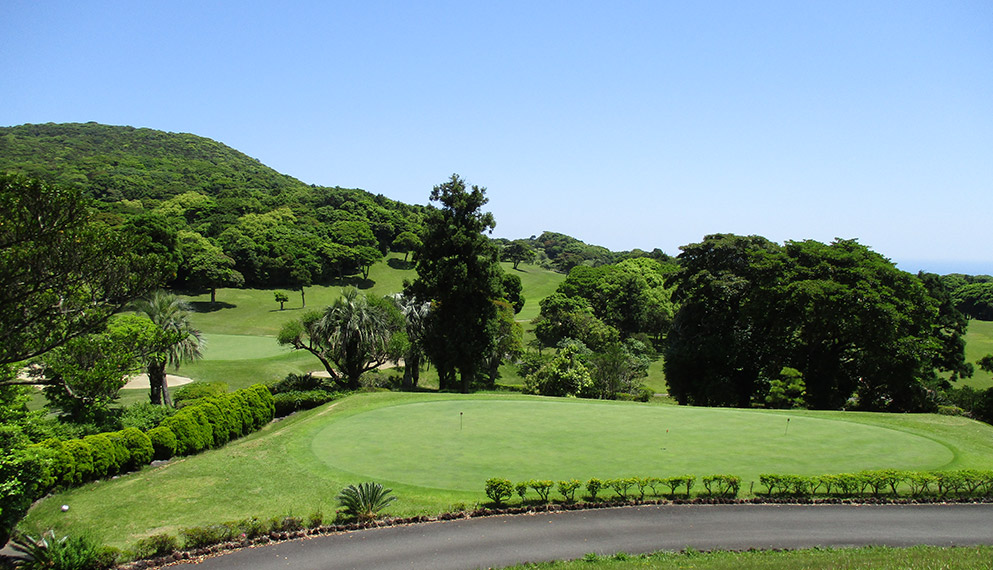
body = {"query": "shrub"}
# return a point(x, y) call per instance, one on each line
point(365, 500)
point(61, 465)
point(920, 482)
point(82, 455)
point(543, 487)
point(522, 489)
point(568, 489)
point(949, 482)
point(163, 442)
point(315, 519)
point(726, 486)
point(202, 536)
point(185, 395)
point(593, 487)
point(155, 546)
point(300, 383)
point(499, 490)
point(66, 553)
point(620, 485)
point(288, 402)
point(145, 416)
point(139, 446)
point(675, 483)
point(104, 458)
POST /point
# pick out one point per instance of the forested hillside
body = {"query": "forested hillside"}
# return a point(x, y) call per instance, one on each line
point(227, 219)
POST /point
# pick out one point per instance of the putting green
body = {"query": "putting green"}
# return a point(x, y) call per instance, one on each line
point(458, 444)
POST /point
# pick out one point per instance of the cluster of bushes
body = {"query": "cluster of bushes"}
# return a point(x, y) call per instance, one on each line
point(298, 392)
point(211, 422)
point(962, 484)
point(624, 488)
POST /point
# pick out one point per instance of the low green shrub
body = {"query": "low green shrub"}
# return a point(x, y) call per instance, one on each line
point(499, 490)
point(154, 546)
point(593, 487)
point(725, 486)
point(139, 446)
point(522, 490)
point(145, 416)
point(185, 395)
point(365, 500)
point(75, 552)
point(543, 487)
point(203, 536)
point(675, 483)
point(568, 489)
point(288, 402)
point(620, 485)
point(82, 455)
point(163, 442)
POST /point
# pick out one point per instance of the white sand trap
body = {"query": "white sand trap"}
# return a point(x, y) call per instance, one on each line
point(141, 381)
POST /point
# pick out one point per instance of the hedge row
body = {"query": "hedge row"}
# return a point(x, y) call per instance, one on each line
point(296, 400)
point(210, 423)
point(963, 484)
point(723, 486)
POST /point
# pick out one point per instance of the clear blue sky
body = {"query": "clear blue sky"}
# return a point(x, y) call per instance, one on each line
point(622, 123)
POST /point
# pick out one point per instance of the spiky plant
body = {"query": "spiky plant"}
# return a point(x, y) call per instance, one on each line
point(365, 500)
point(48, 552)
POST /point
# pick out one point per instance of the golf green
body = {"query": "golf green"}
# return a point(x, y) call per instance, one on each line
point(458, 444)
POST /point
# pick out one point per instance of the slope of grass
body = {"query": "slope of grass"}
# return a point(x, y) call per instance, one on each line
point(979, 343)
point(297, 465)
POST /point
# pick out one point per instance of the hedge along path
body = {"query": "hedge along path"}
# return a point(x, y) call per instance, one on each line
point(287, 467)
point(458, 445)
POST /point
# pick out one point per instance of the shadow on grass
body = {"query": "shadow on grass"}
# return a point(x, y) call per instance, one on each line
point(396, 263)
point(208, 307)
point(357, 282)
point(286, 310)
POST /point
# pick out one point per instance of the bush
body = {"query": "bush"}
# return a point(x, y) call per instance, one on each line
point(725, 486)
point(66, 553)
point(145, 416)
point(185, 395)
point(155, 546)
point(674, 483)
point(104, 458)
point(288, 402)
point(499, 490)
point(365, 500)
point(300, 383)
point(203, 536)
point(593, 487)
point(543, 487)
point(522, 490)
point(621, 485)
point(568, 489)
point(82, 455)
point(190, 436)
point(139, 446)
point(163, 442)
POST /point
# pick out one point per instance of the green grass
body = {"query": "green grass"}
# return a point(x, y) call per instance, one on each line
point(537, 283)
point(979, 343)
point(873, 557)
point(413, 443)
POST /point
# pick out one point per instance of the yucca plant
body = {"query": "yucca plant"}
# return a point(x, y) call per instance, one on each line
point(66, 553)
point(365, 500)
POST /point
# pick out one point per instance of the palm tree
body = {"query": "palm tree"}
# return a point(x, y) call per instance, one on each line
point(415, 314)
point(356, 331)
point(181, 342)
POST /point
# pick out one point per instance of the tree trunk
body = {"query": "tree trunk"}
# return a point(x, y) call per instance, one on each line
point(156, 381)
point(213, 295)
point(303, 298)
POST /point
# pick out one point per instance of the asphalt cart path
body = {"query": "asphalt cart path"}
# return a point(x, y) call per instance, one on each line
point(494, 542)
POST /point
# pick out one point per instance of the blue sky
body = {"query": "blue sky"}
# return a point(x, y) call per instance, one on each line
point(625, 124)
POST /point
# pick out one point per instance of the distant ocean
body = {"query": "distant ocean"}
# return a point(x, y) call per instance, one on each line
point(945, 267)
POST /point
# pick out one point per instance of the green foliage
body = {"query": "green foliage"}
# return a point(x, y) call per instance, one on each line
point(144, 415)
point(139, 446)
point(786, 390)
point(197, 390)
point(458, 272)
point(288, 402)
point(593, 487)
point(499, 490)
point(61, 273)
point(203, 536)
point(568, 489)
point(164, 442)
point(565, 375)
point(521, 488)
point(543, 487)
point(67, 553)
point(621, 485)
point(154, 546)
point(281, 297)
point(365, 500)
point(975, 300)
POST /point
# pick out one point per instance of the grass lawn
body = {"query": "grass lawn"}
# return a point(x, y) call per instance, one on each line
point(875, 557)
point(979, 343)
point(414, 443)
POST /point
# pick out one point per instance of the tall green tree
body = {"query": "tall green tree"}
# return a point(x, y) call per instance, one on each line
point(62, 275)
point(405, 243)
point(205, 265)
point(180, 340)
point(518, 251)
point(458, 272)
point(415, 314)
point(350, 337)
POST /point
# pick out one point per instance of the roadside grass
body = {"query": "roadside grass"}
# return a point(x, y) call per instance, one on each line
point(875, 557)
point(978, 343)
point(416, 445)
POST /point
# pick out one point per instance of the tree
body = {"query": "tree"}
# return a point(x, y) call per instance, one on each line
point(518, 251)
point(459, 274)
point(565, 375)
point(180, 340)
point(204, 264)
point(281, 298)
point(84, 376)
point(415, 315)
point(350, 337)
point(406, 242)
point(975, 300)
point(62, 275)
point(513, 291)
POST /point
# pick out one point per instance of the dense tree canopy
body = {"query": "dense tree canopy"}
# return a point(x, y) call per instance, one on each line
point(860, 332)
point(62, 274)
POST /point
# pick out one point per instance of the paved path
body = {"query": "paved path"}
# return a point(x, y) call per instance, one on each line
point(506, 540)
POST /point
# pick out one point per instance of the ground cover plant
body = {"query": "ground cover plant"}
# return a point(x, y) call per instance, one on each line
point(294, 467)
